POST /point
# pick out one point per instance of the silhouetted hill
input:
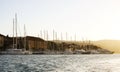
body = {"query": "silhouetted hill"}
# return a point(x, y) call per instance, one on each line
point(112, 45)
point(82, 47)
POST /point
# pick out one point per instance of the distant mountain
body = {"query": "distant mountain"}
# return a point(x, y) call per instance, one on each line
point(112, 45)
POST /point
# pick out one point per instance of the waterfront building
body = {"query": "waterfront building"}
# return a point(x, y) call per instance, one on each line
point(2, 39)
point(35, 44)
point(30, 44)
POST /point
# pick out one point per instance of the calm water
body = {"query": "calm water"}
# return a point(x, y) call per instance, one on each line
point(60, 63)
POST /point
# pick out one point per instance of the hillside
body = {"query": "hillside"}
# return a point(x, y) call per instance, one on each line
point(77, 47)
point(112, 45)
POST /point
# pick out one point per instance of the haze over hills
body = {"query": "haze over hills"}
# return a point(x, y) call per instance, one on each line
point(112, 45)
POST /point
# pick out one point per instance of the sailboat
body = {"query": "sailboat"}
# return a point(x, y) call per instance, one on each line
point(25, 40)
point(15, 49)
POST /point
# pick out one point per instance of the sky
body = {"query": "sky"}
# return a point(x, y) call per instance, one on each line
point(85, 19)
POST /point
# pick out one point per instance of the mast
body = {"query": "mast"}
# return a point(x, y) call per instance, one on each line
point(44, 35)
point(47, 39)
point(75, 37)
point(24, 37)
point(47, 35)
point(56, 35)
point(61, 42)
point(53, 40)
point(66, 36)
point(53, 35)
point(13, 33)
point(44, 38)
point(16, 28)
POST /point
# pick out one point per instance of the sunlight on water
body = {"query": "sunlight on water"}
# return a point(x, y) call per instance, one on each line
point(60, 63)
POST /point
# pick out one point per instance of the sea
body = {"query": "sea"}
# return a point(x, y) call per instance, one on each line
point(60, 63)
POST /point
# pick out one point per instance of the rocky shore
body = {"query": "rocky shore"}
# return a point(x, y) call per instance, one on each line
point(75, 48)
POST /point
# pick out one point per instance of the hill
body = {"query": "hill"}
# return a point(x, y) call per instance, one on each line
point(77, 47)
point(112, 45)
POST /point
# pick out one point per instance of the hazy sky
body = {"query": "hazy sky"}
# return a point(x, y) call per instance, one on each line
point(88, 19)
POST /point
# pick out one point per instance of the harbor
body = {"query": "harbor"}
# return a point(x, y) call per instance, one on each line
point(59, 36)
point(36, 45)
point(16, 45)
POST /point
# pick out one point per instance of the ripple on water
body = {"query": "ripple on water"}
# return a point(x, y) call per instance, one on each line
point(60, 63)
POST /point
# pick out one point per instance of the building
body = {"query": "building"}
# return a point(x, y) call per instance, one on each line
point(29, 43)
point(2, 39)
point(8, 42)
point(35, 44)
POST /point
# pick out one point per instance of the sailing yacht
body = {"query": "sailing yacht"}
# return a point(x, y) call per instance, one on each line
point(15, 49)
point(24, 49)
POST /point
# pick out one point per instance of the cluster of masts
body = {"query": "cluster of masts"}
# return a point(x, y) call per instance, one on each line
point(15, 42)
point(59, 37)
point(43, 34)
